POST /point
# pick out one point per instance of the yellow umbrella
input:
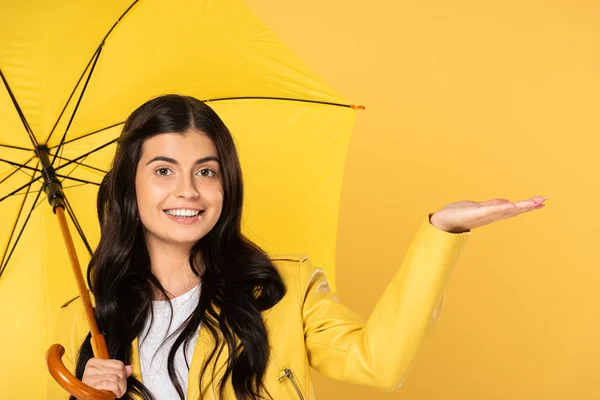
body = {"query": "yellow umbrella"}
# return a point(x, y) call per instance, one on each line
point(71, 74)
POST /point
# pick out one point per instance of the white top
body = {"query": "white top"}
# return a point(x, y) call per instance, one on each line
point(153, 356)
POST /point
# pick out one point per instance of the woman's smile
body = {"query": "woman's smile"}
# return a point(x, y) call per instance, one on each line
point(184, 215)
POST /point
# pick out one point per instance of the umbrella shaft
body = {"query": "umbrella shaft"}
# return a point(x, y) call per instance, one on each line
point(98, 343)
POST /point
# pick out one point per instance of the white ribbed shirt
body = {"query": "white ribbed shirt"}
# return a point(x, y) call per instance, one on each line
point(154, 347)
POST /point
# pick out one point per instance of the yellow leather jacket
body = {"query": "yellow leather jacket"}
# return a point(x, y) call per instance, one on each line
point(309, 327)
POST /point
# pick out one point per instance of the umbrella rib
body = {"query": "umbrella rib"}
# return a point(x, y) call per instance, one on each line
point(88, 134)
point(14, 147)
point(14, 164)
point(327, 103)
point(6, 259)
point(84, 165)
point(86, 154)
point(71, 95)
point(94, 60)
point(19, 111)
point(77, 179)
point(11, 174)
point(42, 200)
point(71, 171)
point(42, 190)
point(64, 136)
point(78, 226)
point(15, 171)
point(209, 101)
point(117, 22)
point(225, 99)
point(20, 188)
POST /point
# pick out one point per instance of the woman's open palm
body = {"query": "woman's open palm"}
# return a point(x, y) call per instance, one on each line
point(463, 216)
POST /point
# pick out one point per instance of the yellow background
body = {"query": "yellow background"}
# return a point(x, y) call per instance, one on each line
point(465, 100)
point(470, 100)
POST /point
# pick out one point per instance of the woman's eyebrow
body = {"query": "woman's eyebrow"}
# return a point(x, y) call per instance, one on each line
point(174, 161)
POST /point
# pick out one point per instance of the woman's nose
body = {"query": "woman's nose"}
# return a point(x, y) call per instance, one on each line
point(187, 188)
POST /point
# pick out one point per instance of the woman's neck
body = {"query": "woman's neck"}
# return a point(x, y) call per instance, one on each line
point(171, 266)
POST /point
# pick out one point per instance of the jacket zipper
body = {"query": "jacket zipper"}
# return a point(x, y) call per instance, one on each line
point(287, 373)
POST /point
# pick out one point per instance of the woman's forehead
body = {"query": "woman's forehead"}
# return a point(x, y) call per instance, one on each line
point(184, 146)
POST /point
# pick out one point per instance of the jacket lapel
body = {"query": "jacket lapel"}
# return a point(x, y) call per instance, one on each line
point(135, 363)
point(210, 382)
point(204, 345)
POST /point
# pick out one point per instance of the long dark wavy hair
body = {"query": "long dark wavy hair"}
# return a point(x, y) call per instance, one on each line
point(239, 281)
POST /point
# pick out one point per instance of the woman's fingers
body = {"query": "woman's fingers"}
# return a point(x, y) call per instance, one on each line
point(499, 209)
point(508, 210)
point(107, 375)
point(111, 382)
point(101, 367)
point(516, 208)
point(494, 210)
point(521, 203)
point(494, 202)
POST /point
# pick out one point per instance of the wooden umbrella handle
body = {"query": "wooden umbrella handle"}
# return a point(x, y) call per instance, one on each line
point(63, 376)
point(57, 369)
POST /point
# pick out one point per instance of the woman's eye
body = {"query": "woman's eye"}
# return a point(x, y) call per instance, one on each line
point(207, 172)
point(163, 171)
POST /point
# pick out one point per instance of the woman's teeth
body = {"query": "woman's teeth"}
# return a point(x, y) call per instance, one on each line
point(182, 213)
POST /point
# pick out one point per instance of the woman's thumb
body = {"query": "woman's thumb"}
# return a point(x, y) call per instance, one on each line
point(128, 370)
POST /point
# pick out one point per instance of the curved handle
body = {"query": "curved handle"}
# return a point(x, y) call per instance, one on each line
point(61, 374)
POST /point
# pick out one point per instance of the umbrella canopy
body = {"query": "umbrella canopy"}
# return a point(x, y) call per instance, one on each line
point(72, 71)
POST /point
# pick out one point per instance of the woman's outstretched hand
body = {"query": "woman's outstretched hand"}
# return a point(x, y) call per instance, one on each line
point(463, 216)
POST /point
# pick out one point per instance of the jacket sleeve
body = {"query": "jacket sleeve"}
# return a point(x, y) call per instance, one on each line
point(71, 330)
point(381, 351)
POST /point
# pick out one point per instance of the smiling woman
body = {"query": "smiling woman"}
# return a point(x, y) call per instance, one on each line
point(192, 309)
point(174, 169)
point(170, 204)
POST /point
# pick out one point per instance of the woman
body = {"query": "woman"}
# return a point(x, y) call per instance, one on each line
point(192, 309)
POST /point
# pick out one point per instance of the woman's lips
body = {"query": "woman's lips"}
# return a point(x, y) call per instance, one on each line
point(184, 220)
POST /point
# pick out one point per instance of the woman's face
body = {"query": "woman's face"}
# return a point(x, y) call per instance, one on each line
point(178, 188)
